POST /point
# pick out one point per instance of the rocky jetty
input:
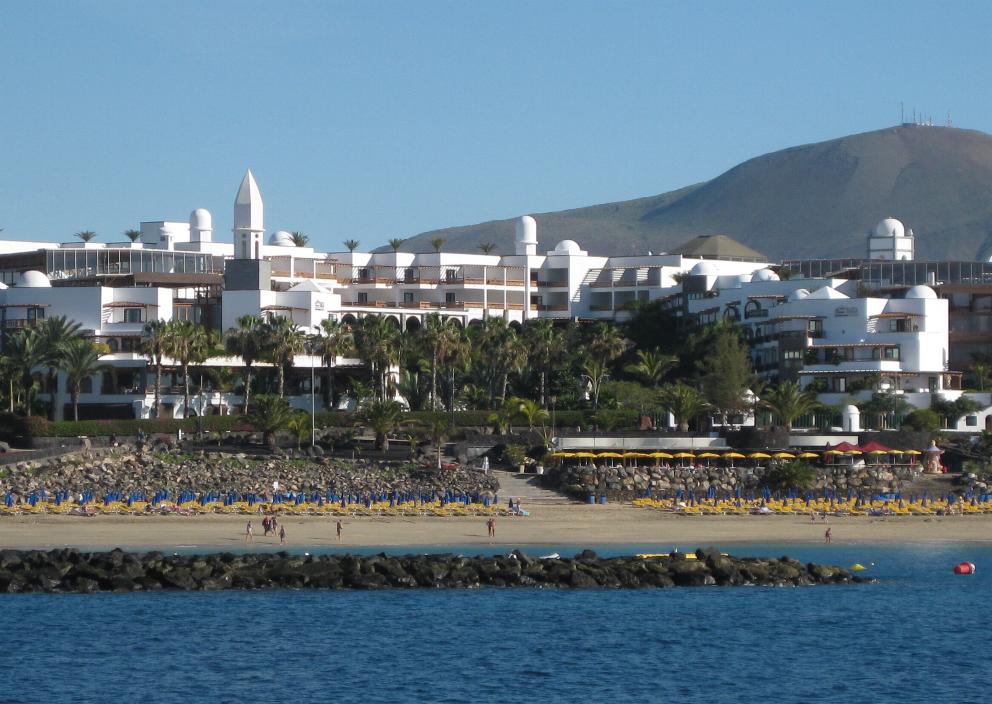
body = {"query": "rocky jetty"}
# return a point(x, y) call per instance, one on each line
point(626, 483)
point(129, 471)
point(69, 570)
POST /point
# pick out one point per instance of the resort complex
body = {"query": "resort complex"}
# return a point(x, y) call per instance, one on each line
point(844, 330)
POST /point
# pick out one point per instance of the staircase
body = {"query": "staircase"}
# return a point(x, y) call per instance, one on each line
point(526, 488)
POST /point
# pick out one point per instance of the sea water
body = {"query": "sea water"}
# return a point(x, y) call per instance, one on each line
point(920, 635)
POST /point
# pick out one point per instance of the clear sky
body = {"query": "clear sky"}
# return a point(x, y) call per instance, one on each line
point(372, 120)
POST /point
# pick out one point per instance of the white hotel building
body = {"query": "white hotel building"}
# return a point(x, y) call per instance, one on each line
point(813, 330)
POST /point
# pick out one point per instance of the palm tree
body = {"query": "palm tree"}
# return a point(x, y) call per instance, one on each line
point(334, 340)
point(502, 417)
point(25, 350)
point(285, 341)
point(301, 424)
point(437, 337)
point(351, 245)
point(652, 365)
point(378, 343)
point(153, 346)
point(269, 415)
point(594, 371)
point(605, 343)
point(187, 343)
point(787, 402)
point(546, 345)
point(81, 361)
point(487, 247)
point(132, 235)
point(86, 235)
point(56, 333)
point(980, 372)
point(531, 411)
point(382, 418)
point(683, 402)
point(437, 243)
point(299, 239)
point(498, 351)
point(437, 429)
point(246, 341)
point(396, 243)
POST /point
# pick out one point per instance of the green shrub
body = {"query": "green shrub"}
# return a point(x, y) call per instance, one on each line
point(791, 475)
point(40, 427)
point(922, 420)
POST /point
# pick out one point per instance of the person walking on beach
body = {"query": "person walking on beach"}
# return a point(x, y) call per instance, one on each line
point(339, 530)
point(827, 536)
point(491, 525)
point(266, 526)
point(249, 533)
point(282, 535)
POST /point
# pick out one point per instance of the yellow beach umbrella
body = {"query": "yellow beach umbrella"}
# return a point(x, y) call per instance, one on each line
point(661, 455)
point(683, 455)
point(896, 452)
point(808, 455)
point(708, 455)
point(586, 455)
point(759, 456)
point(610, 454)
point(733, 455)
point(879, 452)
point(784, 456)
point(854, 452)
point(562, 454)
point(834, 452)
point(636, 454)
point(913, 452)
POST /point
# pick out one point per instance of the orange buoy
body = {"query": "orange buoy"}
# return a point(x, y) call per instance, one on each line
point(965, 568)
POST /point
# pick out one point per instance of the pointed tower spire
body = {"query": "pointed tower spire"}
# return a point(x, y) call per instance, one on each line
point(249, 224)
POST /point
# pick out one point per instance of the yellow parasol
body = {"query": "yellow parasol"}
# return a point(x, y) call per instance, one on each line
point(636, 454)
point(834, 452)
point(897, 452)
point(563, 454)
point(708, 455)
point(610, 454)
point(879, 452)
point(586, 455)
point(759, 456)
point(733, 455)
point(661, 455)
point(683, 455)
point(808, 455)
point(854, 452)
point(913, 452)
point(784, 456)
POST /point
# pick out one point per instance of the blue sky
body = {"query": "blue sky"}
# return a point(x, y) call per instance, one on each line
point(374, 120)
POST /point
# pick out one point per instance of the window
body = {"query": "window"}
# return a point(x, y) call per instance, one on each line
point(449, 298)
point(184, 313)
point(840, 384)
point(971, 421)
point(36, 313)
point(451, 275)
point(897, 325)
point(363, 273)
point(363, 298)
point(410, 275)
point(408, 297)
point(132, 315)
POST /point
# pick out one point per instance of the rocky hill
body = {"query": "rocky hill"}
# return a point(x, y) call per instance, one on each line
point(815, 200)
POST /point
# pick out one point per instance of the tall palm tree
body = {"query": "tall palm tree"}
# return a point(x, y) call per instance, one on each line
point(57, 333)
point(132, 235)
point(981, 372)
point(487, 247)
point(246, 342)
point(285, 341)
point(605, 342)
point(81, 361)
point(456, 355)
point(545, 345)
point(351, 245)
point(652, 365)
point(299, 239)
point(498, 352)
point(153, 346)
point(334, 340)
point(86, 235)
point(187, 343)
point(436, 337)
point(684, 402)
point(396, 243)
point(25, 350)
point(787, 402)
point(437, 243)
point(378, 343)
point(531, 411)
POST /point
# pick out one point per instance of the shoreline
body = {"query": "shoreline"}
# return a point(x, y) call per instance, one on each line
point(565, 526)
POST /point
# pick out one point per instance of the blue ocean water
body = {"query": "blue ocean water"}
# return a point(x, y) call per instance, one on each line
point(922, 634)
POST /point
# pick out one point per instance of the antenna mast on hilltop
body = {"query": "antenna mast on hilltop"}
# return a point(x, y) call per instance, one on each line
point(948, 118)
point(902, 113)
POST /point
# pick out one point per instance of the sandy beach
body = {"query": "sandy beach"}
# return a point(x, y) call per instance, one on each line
point(572, 525)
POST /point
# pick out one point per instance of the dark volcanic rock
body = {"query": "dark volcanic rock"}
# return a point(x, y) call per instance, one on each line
point(72, 571)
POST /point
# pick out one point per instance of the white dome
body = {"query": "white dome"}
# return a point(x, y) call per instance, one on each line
point(33, 279)
point(826, 293)
point(704, 268)
point(764, 275)
point(851, 409)
point(799, 294)
point(890, 227)
point(567, 247)
point(921, 292)
point(527, 230)
point(200, 219)
point(3, 286)
point(281, 238)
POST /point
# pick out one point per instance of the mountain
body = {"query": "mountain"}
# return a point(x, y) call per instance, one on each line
point(815, 200)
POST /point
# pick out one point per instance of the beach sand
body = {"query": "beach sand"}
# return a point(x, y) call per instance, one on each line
point(564, 525)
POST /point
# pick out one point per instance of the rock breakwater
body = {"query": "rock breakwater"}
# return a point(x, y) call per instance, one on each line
point(69, 570)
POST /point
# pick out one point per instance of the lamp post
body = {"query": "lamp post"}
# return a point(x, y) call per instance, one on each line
point(554, 400)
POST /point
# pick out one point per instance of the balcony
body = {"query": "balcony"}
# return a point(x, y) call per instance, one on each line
point(563, 283)
point(19, 323)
